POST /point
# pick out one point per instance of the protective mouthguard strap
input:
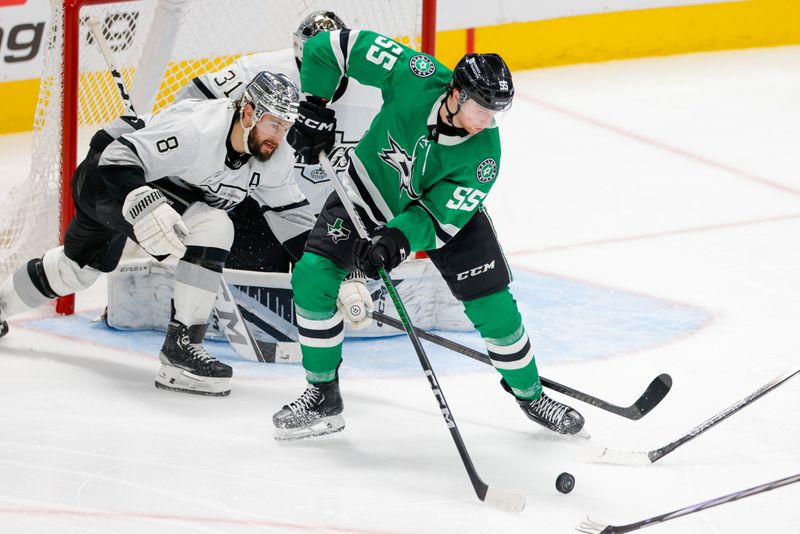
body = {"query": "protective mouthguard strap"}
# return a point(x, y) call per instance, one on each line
point(245, 131)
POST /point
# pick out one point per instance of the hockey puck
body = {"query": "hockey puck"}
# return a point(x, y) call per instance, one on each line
point(565, 483)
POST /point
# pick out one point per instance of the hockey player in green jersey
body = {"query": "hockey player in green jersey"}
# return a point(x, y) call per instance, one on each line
point(418, 179)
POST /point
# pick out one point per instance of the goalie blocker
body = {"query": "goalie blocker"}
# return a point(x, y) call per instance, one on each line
point(139, 293)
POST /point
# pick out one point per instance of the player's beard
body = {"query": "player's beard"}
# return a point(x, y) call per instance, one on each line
point(254, 145)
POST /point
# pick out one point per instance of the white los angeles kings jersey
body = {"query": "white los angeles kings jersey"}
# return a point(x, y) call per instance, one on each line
point(355, 108)
point(189, 143)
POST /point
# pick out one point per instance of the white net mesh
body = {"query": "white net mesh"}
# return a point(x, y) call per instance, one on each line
point(207, 35)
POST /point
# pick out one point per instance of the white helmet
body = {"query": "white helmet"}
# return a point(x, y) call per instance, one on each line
point(318, 21)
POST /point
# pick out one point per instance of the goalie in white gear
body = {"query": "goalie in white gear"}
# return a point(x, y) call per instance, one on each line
point(165, 181)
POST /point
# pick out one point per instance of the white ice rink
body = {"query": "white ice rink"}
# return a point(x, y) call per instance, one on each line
point(651, 212)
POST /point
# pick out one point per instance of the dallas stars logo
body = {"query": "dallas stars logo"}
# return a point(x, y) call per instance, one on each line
point(337, 232)
point(397, 158)
point(487, 170)
point(422, 66)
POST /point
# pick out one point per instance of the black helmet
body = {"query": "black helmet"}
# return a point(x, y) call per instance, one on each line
point(318, 21)
point(484, 78)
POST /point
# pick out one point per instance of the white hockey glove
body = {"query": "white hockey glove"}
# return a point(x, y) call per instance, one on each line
point(355, 301)
point(158, 228)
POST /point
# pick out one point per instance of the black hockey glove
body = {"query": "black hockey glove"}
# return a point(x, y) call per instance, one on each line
point(388, 248)
point(313, 131)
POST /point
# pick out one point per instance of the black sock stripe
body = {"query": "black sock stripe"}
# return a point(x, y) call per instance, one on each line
point(329, 333)
point(207, 257)
point(39, 278)
point(520, 354)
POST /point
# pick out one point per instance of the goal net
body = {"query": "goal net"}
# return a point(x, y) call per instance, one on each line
point(158, 45)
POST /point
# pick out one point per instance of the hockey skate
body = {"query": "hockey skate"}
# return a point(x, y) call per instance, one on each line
point(317, 412)
point(550, 413)
point(187, 367)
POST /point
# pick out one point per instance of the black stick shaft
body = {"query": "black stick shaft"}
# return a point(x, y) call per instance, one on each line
point(628, 412)
point(479, 485)
point(721, 416)
point(749, 492)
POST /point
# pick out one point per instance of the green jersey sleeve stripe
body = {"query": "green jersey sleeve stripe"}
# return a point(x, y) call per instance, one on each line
point(444, 232)
point(352, 37)
point(338, 51)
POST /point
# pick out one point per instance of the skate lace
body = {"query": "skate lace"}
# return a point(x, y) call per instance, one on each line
point(551, 410)
point(197, 350)
point(307, 400)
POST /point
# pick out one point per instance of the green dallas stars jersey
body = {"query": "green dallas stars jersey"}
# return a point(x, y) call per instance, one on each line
point(426, 186)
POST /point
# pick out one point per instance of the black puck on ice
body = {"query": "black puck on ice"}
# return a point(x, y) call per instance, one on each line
point(565, 483)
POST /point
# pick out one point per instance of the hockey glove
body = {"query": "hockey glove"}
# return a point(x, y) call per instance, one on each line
point(355, 301)
point(158, 228)
point(313, 131)
point(387, 249)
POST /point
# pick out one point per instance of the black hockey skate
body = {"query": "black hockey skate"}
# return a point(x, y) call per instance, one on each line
point(317, 412)
point(3, 328)
point(550, 413)
point(186, 365)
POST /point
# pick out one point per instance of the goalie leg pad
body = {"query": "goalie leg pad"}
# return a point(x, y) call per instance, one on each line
point(176, 379)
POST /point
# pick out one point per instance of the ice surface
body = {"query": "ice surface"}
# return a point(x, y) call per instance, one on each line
point(650, 210)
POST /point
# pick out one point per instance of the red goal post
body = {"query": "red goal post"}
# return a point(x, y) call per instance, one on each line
point(159, 45)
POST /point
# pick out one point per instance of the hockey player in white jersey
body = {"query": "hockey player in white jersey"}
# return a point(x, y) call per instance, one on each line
point(355, 106)
point(255, 247)
point(165, 181)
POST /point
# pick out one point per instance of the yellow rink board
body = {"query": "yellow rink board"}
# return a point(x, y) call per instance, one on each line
point(579, 39)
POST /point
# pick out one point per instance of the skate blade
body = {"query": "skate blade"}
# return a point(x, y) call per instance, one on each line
point(326, 425)
point(175, 379)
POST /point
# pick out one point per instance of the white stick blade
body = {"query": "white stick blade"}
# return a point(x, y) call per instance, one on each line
point(613, 456)
point(504, 500)
point(591, 526)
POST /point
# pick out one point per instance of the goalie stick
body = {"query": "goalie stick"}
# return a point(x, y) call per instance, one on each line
point(654, 394)
point(508, 501)
point(592, 526)
point(225, 309)
point(613, 456)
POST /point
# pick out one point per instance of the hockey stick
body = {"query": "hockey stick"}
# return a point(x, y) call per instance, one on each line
point(97, 33)
point(654, 394)
point(613, 456)
point(591, 526)
point(225, 308)
point(510, 502)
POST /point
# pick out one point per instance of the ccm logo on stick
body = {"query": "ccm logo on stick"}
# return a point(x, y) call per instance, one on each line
point(475, 271)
